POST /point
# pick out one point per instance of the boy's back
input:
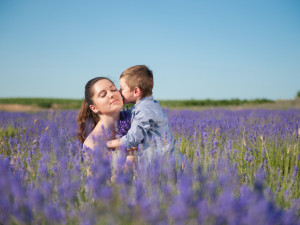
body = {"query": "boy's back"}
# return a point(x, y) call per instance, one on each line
point(149, 129)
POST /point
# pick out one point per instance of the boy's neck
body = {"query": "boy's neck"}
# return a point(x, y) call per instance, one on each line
point(140, 98)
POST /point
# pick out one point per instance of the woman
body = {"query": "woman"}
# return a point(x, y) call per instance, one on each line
point(98, 113)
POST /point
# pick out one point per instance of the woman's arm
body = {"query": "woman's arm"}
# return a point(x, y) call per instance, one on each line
point(116, 143)
point(89, 143)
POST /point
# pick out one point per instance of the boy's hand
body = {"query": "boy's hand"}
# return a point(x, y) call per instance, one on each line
point(132, 149)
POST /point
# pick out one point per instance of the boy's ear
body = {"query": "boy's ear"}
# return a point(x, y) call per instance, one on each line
point(137, 91)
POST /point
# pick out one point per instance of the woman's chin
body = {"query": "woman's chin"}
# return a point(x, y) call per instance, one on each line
point(117, 107)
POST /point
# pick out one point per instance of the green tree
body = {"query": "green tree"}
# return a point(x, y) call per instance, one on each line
point(298, 94)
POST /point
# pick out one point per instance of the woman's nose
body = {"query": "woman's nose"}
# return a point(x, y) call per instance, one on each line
point(111, 94)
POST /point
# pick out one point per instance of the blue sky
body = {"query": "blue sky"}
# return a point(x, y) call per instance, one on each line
point(196, 49)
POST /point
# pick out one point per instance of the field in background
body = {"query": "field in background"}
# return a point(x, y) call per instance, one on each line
point(240, 167)
point(37, 104)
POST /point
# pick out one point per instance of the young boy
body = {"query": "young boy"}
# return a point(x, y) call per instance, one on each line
point(150, 129)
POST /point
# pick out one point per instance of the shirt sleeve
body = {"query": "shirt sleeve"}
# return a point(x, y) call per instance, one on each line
point(137, 132)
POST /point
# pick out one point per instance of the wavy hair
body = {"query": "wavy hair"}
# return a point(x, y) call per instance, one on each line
point(86, 118)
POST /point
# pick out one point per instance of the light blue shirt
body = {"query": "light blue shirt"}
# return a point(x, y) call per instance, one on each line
point(149, 129)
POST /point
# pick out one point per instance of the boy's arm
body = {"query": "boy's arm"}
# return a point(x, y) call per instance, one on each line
point(139, 127)
point(116, 143)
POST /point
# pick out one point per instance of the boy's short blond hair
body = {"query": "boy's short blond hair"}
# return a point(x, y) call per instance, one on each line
point(139, 76)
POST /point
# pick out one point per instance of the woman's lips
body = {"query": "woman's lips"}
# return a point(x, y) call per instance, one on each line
point(114, 101)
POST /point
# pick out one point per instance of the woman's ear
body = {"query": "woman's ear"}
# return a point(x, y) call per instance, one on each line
point(93, 108)
point(137, 92)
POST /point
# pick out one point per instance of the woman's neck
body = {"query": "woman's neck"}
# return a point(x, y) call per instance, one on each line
point(108, 122)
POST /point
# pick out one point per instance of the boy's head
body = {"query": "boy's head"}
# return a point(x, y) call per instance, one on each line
point(136, 82)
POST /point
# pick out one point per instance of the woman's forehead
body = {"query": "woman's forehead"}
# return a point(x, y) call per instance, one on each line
point(104, 84)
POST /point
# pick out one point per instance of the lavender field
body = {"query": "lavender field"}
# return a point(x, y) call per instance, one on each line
point(240, 167)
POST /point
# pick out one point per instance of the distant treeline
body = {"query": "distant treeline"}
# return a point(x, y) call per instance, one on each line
point(46, 103)
point(210, 102)
point(76, 103)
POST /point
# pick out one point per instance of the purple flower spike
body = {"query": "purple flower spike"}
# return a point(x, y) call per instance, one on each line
point(295, 172)
point(125, 122)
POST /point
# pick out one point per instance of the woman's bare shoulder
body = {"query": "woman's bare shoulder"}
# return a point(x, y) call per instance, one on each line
point(93, 139)
point(89, 142)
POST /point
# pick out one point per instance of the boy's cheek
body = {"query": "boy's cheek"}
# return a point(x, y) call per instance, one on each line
point(122, 98)
point(123, 95)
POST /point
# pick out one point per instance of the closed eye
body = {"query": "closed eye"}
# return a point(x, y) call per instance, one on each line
point(102, 94)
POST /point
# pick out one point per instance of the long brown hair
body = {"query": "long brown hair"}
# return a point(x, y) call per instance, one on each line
point(86, 118)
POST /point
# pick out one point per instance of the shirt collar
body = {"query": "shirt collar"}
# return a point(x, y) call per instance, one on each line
point(147, 98)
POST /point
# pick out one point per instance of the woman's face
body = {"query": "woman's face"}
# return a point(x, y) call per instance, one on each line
point(106, 98)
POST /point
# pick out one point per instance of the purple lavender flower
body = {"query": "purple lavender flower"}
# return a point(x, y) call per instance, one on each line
point(54, 213)
point(123, 125)
point(295, 172)
point(263, 153)
point(43, 180)
point(178, 211)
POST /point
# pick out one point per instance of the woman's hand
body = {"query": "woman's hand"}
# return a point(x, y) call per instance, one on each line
point(130, 158)
point(130, 151)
